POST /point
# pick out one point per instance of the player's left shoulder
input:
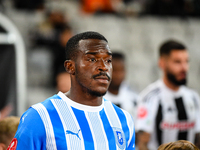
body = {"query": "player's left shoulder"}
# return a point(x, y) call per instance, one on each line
point(190, 91)
point(122, 112)
point(119, 111)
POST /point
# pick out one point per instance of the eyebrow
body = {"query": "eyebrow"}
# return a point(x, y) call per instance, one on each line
point(94, 53)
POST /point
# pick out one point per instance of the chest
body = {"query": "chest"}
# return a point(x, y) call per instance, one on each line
point(81, 130)
point(178, 107)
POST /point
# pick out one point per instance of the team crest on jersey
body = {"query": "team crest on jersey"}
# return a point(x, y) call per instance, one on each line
point(13, 145)
point(119, 137)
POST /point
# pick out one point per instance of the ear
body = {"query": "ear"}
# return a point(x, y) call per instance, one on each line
point(161, 62)
point(70, 66)
point(2, 146)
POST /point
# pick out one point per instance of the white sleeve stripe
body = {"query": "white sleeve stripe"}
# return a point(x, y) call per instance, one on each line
point(50, 138)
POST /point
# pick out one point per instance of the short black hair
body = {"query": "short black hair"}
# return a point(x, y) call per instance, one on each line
point(118, 55)
point(170, 45)
point(73, 43)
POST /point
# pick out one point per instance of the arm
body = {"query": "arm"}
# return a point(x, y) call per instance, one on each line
point(4, 112)
point(197, 140)
point(197, 126)
point(31, 132)
point(142, 140)
point(146, 113)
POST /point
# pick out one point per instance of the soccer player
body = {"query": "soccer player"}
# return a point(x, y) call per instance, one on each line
point(79, 119)
point(168, 110)
point(119, 92)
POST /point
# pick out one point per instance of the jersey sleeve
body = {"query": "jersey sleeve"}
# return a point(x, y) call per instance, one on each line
point(31, 132)
point(146, 112)
point(197, 103)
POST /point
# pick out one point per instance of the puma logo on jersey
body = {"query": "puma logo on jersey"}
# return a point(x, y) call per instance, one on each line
point(73, 133)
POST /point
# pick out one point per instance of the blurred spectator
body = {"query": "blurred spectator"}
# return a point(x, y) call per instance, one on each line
point(178, 145)
point(54, 34)
point(173, 7)
point(58, 50)
point(29, 4)
point(8, 128)
point(119, 91)
point(46, 33)
point(63, 82)
point(196, 5)
point(166, 7)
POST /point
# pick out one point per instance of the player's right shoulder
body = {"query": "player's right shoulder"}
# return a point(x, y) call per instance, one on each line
point(151, 92)
point(29, 117)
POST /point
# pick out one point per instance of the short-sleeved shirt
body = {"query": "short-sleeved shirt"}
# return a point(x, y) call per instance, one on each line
point(59, 123)
point(168, 115)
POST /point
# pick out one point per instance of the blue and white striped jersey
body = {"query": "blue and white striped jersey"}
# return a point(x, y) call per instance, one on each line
point(59, 123)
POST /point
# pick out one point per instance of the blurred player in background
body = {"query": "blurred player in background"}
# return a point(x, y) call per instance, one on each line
point(168, 110)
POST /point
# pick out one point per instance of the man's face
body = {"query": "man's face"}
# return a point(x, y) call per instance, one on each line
point(93, 66)
point(176, 67)
point(118, 72)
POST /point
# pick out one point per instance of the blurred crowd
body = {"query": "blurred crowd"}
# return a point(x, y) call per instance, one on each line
point(181, 8)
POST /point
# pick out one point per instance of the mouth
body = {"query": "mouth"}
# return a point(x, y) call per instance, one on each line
point(102, 79)
point(182, 75)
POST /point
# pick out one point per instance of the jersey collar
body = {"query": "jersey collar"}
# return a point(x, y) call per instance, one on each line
point(80, 106)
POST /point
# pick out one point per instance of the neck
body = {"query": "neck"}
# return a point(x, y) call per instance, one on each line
point(170, 85)
point(84, 98)
point(113, 89)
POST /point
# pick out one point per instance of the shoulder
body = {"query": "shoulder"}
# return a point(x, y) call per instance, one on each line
point(151, 91)
point(192, 94)
point(29, 118)
point(189, 90)
point(30, 125)
point(32, 117)
point(121, 113)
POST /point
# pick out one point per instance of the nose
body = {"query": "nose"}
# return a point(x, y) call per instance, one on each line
point(102, 66)
point(185, 66)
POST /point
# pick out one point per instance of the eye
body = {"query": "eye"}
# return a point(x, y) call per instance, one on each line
point(109, 61)
point(92, 60)
point(177, 61)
